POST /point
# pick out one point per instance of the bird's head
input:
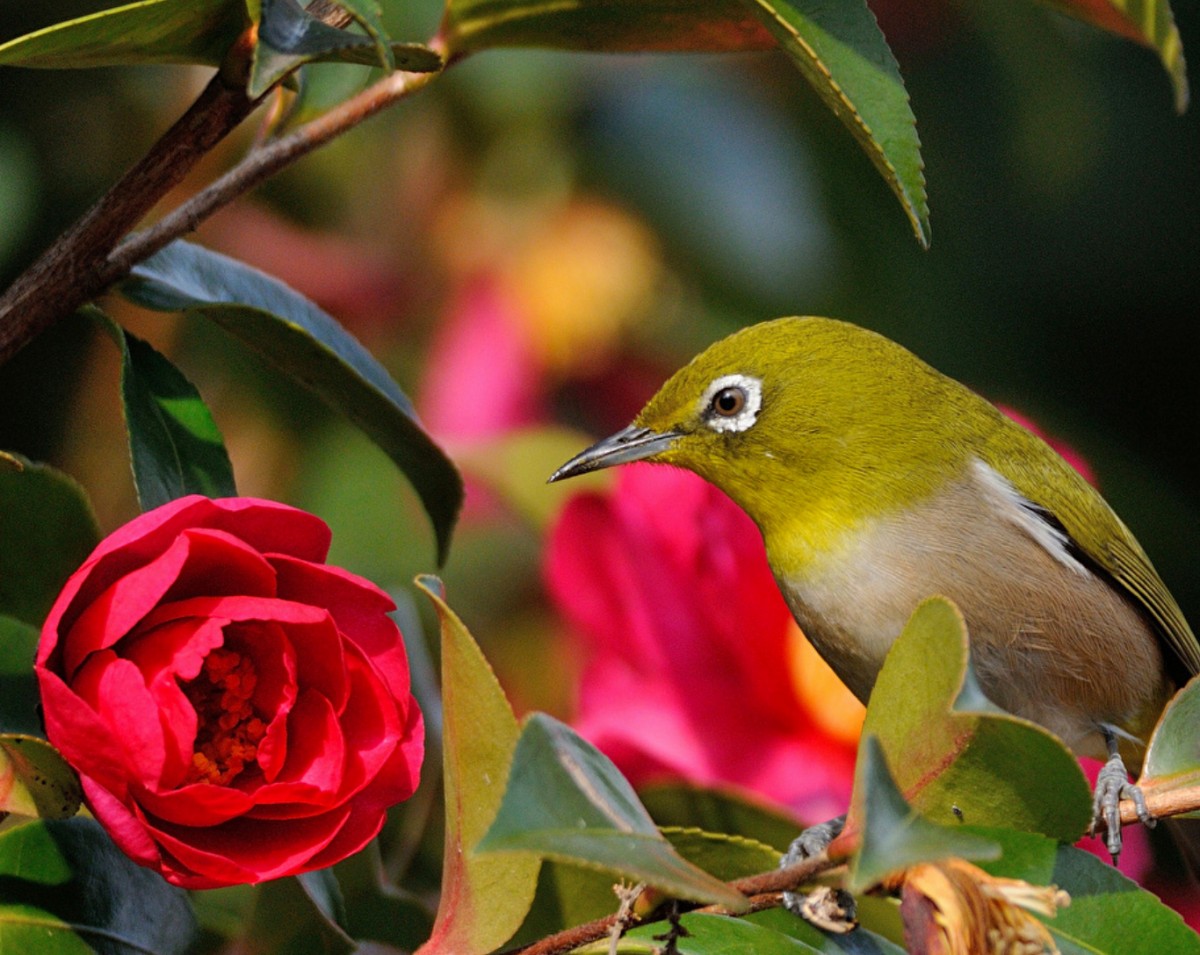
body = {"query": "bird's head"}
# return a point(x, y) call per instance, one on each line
point(792, 414)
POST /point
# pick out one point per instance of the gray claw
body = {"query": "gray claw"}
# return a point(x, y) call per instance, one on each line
point(1113, 785)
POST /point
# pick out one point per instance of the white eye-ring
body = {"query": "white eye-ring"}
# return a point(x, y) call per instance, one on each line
point(732, 402)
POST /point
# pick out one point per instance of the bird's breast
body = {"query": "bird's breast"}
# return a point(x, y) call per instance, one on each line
point(1050, 639)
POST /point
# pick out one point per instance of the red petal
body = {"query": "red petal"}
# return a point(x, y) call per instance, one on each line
point(372, 722)
point(116, 692)
point(196, 804)
point(124, 825)
point(248, 850)
point(358, 607)
point(312, 775)
point(84, 739)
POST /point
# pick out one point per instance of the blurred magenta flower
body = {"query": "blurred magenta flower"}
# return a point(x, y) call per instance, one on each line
point(690, 654)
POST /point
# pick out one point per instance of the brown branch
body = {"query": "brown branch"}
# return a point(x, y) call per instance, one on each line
point(762, 889)
point(86, 259)
point(1163, 803)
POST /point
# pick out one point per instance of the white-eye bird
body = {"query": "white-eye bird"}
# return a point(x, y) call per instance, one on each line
point(876, 482)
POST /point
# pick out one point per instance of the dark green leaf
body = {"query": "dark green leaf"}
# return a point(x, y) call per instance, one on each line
point(1108, 912)
point(35, 780)
point(714, 935)
point(484, 898)
point(376, 910)
point(152, 31)
point(1148, 22)
point(950, 749)
point(69, 889)
point(174, 444)
point(679, 804)
point(47, 528)
point(289, 36)
point(862, 941)
point(18, 687)
point(1173, 757)
point(894, 836)
point(844, 56)
point(567, 895)
point(308, 345)
point(603, 25)
point(289, 921)
point(566, 801)
point(724, 855)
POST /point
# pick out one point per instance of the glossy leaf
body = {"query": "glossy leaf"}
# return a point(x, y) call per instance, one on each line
point(49, 515)
point(151, 31)
point(1173, 757)
point(19, 696)
point(629, 25)
point(1148, 22)
point(837, 46)
point(566, 801)
point(484, 897)
point(725, 855)
point(35, 780)
point(713, 935)
point(955, 756)
point(862, 941)
point(289, 916)
point(312, 348)
point(174, 444)
point(893, 835)
point(844, 56)
point(289, 36)
point(377, 910)
point(1108, 912)
point(62, 882)
point(683, 805)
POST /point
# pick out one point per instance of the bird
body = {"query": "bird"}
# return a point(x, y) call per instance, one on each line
point(876, 482)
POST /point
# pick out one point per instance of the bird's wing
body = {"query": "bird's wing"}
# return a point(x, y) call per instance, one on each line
point(1055, 487)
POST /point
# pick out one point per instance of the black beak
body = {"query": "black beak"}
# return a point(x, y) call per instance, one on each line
point(630, 444)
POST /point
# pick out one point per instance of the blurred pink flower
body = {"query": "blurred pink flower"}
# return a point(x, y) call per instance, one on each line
point(690, 652)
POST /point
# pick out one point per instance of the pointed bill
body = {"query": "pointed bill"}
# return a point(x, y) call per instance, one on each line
point(629, 444)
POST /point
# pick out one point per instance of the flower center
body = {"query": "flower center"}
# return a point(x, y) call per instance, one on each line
point(227, 729)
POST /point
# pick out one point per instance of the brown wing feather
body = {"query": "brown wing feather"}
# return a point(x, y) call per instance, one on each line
point(1053, 485)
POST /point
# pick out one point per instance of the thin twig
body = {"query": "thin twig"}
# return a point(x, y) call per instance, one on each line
point(762, 889)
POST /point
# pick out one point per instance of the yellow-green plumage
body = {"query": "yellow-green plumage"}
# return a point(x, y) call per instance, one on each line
point(877, 481)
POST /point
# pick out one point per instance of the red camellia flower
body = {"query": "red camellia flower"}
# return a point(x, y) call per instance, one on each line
point(237, 710)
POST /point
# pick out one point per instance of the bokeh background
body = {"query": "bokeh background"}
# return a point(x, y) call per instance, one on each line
point(536, 240)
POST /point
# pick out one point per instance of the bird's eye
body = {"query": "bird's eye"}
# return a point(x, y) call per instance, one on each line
point(729, 401)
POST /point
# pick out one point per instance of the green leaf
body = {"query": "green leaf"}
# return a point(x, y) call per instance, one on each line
point(1173, 757)
point(713, 935)
point(311, 347)
point(1148, 22)
point(152, 31)
point(288, 918)
point(683, 805)
point(955, 756)
point(894, 836)
point(48, 529)
point(566, 801)
point(725, 855)
point(844, 56)
point(623, 25)
point(18, 687)
point(69, 889)
point(35, 780)
point(484, 897)
point(567, 895)
point(1108, 912)
point(862, 941)
point(375, 908)
point(174, 444)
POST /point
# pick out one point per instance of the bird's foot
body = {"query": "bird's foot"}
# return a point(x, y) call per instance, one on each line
point(1113, 785)
point(810, 843)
